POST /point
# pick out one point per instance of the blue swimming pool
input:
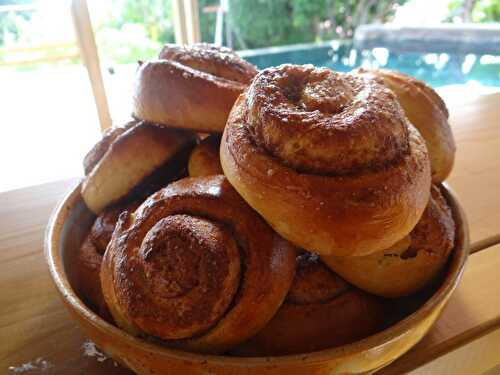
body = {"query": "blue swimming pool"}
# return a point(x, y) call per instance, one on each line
point(437, 69)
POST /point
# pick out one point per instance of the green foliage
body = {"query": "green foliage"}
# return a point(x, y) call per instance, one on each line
point(455, 10)
point(486, 11)
point(155, 15)
point(10, 21)
point(136, 30)
point(265, 22)
point(482, 12)
point(262, 23)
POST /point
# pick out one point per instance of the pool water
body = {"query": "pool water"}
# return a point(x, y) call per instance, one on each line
point(437, 69)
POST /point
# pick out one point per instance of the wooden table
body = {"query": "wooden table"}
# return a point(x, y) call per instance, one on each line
point(476, 174)
point(36, 330)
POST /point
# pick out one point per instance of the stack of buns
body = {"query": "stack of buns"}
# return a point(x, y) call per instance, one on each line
point(265, 212)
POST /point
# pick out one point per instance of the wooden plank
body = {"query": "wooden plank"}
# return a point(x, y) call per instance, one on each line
point(18, 8)
point(88, 51)
point(192, 21)
point(186, 21)
point(493, 371)
point(35, 328)
point(475, 357)
point(476, 174)
point(37, 60)
point(180, 27)
point(472, 312)
point(34, 323)
point(42, 47)
point(23, 216)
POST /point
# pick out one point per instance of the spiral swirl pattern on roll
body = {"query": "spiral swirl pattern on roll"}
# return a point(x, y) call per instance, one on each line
point(328, 159)
point(427, 111)
point(189, 266)
point(218, 61)
point(319, 121)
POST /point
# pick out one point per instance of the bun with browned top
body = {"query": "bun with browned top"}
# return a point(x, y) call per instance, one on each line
point(128, 161)
point(427, 112)
point(88, 267)
point(90, 254)
point(100, 148)
point(328, 159)
point(204, 159)
point(191, 86)
point(410, 264)
point(196, 267)
point(321, 311)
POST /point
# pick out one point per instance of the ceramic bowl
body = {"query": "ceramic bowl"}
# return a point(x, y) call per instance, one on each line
point(70, 223)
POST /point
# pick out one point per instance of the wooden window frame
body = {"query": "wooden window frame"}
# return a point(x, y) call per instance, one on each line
point(187, 30)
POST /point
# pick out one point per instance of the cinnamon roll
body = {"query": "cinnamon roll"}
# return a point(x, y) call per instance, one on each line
point(427, 112)
point(88, 267)
point(204, 159)
point(196, 267)
point(191, 86)
point(328, 159)
point(321, 311)
point(90, 254)
point(104, 224)
point(101, 147)
point(411, 263)
point(144, 154)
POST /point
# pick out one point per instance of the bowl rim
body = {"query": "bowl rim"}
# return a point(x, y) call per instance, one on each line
point(57, 271)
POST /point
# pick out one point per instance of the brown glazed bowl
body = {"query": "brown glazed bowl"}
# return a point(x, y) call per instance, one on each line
point(70, 223)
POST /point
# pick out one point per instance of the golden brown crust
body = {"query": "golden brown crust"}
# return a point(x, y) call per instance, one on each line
point(427, 112)
point(339, 214)
point(90, 257)
point(313, 282)
point(100, 148)
point(319, 121)
point(190, 265)
point(218, 61)
point(191, 87)
point(89, 283)
point(329, 313)
point(204, 159)
point(130, 159)
point(104, 224)
point(410, 264)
